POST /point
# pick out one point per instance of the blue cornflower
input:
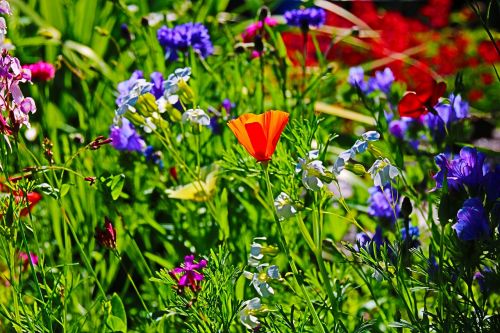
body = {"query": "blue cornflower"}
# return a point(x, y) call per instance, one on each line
point(158, 86)
point(382, 81)
point(464, 170)
point(381, 203)
point(472, 222)
point(305, 18)
point(182, 37)
point(125, 137)
point(357, 79)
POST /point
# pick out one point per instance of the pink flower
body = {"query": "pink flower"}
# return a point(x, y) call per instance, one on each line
point(41, 71)
point(190, 276)
point(24, 257)
point(254, 28)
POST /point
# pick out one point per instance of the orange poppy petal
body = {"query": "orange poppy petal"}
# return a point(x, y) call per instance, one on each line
point(258, 138)
point(277, 121)
point(238, 128)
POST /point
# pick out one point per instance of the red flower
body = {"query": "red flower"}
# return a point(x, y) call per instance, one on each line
point(259, 134)
point(419, 102)
point(106, 236)
point(19, 197)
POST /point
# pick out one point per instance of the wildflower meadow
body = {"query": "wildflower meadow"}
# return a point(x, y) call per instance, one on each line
point(249, 166)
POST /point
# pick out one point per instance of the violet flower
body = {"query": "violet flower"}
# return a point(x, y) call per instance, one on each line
point(472, 222)
point(305, 18)
point(189, 273)
point(182, 37)
point(125, 137)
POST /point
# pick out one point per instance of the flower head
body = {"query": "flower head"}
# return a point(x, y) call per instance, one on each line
point(357, 79)
point(127, 100)
point(458, 108)
point(284, 206)
point(106, 236)
point(182, 37)
point(124, 87)
point(196, 116)
point(260, 279)
point(5, 7)
point(382, 81)
point(253, 29)
point(313, 171)
point(26, 258)
point(305, 18)
point(248, 312)
point(41, 71)
point(382, 172)
point(424, 98)
point(383, 203)
point(125, 137)
point(189, 273)
point(464, 170)
point(472, 222)
point(259, 134)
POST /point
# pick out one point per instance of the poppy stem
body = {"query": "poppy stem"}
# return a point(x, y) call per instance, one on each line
point(284, 245)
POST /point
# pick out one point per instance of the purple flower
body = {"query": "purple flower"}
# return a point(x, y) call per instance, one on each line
point(472, 222)
point(189, 271)
point(182, 37)
point(436, 126)
point(228, 106)
point(157, 80)
point(464, 170)
point(484, 280)
point(382, 81)
point(492, 183)
point(381, 202)
point(305, 18)
point(449, 113)
point(364, 240)
point(399, 127)
point(357, 79)
point(125, 137)
point(124, 87)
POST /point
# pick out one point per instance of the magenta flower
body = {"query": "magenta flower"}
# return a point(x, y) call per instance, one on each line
point(41, 71)
point(190, 275)
point(24, 257)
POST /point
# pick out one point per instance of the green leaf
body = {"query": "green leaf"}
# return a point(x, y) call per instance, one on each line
point(117, 186)
point(117, 320)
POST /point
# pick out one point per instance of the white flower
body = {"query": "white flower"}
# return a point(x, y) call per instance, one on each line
point(261, 277)
point(140, 87)
point(248, 311)
point(342, 160)
point(371, 135)
point(312, 170)
point(149, 126)
point(163, 102)
point(196, 116)
point(382, 172)
point(284, 207)
point(172, 83)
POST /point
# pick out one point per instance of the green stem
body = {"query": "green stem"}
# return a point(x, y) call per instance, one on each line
point(284, 245)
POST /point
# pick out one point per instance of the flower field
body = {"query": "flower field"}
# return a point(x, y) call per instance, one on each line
point(249, 166)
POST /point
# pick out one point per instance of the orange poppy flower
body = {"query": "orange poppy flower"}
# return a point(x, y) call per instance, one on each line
point(259, 134)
